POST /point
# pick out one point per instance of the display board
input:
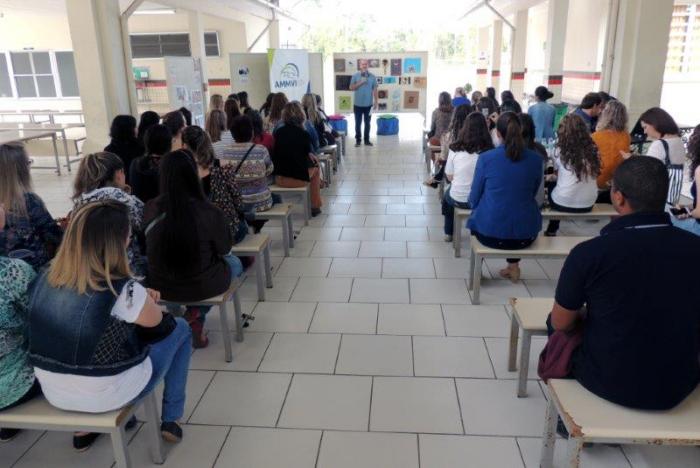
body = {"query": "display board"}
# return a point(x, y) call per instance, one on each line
point(251, 73)
point(401, 77)
point(289, 72)
point(184, 81)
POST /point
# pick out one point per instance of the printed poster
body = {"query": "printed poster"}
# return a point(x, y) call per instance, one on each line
point(339, 65)
point(289, 72)
point(410, 99)
point(395, 67)
point(412, 65)
point(420, 82)
point(342, 82)
point(345, 103)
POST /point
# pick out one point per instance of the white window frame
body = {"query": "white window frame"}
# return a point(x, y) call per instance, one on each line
point(218, 44)
point(218, 41)
point(54, 74)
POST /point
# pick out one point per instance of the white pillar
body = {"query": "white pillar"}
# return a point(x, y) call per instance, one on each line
point(496, 46)
point(196, 32)
point(641, 44)
point(274, 34)
point(517, 64)
point(557, 17)
point(101, 65)
point(482, 60)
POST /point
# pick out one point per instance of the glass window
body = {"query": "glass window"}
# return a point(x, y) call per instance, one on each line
point(5, 83)
point(25, 86)
point(159, 45)
point(46, 86)
point(42, 63)
point(33, 74)
point(67, 74)
point(21, 63)
point(211, 44)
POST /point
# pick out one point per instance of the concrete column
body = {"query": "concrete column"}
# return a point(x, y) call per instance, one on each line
point(196, 32)
point(274, 34)
point(517, 63)
point(641, 44)
point(101, 65)
point(496, 46)
point(482, 60)
point(557, 17)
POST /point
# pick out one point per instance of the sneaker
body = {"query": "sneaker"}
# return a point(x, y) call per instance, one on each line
point(171, 431)
point(368, 143)
point(448, 238)
point(7, 435)
point(550, 234)
point(83, 442)
point(315, 212)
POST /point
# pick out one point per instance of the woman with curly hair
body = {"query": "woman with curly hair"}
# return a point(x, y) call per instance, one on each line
point(458, 117)
point(613, 140)
point(473, 139)
point(577, 166)
point(689, 217)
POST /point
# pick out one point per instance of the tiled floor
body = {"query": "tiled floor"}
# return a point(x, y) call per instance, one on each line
point(367, 352)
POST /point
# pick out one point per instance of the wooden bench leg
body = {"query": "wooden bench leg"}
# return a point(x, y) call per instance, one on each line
point(306, 201)
point(260, 276)
point(524, 363)
point(285, 237)
point(153, 429)
point(573, 451)
point(457, 234)
point(513, 343)
point(476, 278)
point(290, 227)
point(121, 454)
point(238, 312)
point(226, 332)
point(550, 426)
point(268, 266)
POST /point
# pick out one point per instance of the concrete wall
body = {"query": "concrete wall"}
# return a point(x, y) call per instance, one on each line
point(536, 41)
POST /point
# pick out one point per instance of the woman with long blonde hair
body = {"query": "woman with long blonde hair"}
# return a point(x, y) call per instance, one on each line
point(91, 324)
point(612, 139)
point(272, 121)
point(30, 232)
point(216, 102)
point(216, 125)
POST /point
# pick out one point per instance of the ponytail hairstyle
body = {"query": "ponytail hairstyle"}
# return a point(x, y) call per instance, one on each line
point(199, 143)
point(474, 136)
point(458, 117)
point(577, 150)
point(96, 170)
point(511, 133)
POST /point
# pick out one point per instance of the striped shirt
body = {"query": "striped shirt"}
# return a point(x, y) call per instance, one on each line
point(252, 176)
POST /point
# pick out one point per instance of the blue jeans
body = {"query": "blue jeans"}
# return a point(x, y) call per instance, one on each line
point(170, 359)
point(360, 113)
point(688, 224)
point(448, 205)
point(236, 268)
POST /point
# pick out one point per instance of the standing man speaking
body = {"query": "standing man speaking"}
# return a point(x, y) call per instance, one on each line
point(364, 84)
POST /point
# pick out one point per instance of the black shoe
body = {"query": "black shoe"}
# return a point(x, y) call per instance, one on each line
point(550, 234)
point(7, 435)
point(84, 442)
point(131, 423)
point(368, 143)
point(315, 212)
point(171, 431)
point(357, 144)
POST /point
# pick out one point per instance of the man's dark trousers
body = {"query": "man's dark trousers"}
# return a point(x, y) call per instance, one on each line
point(360, 112)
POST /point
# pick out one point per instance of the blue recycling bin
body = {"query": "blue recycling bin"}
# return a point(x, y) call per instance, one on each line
point(387, 125)
point(339, 125)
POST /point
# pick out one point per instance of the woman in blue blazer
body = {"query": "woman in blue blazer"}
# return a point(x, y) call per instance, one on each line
point(505, 214)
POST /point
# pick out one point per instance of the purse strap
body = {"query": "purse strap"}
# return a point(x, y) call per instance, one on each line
point(153, 223)
point(244, 158)
point(667, 157)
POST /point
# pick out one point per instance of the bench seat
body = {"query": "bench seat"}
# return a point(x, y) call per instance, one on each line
point(258, 246)
point(303, 192)
point(283, 212)
point(528, 318)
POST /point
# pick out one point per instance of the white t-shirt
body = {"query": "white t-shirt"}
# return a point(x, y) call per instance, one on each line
point(461, 166)
point(100, 394)
point(676, 150)
point(570, 192)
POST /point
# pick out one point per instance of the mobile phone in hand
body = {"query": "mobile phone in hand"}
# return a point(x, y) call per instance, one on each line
point(679, 211)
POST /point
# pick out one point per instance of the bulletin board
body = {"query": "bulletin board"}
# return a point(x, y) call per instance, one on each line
point(184, 81)
point(251, 73)
point(402, 80)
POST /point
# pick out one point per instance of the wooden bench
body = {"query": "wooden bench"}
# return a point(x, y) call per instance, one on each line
point(326, 163)
point(332, 151)
point(221, 301)
point(303, 192)
point(258, 246)
point(543, 247)
point(590, 419)
point(599, 211)
point(283, 212)
point(430, 150)
point(38, 414)
point(342, 148)
point(528, 318)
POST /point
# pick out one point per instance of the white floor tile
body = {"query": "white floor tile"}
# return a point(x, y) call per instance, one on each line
point(356, 267)
point(430, 250)
point(649, 456)
point(452, 267)
point(200, 447)
point(541, 288)
point(380, 290)
point(596, 456)
point(408, 268)
point(335, 249)
point(451, 357)
point(499, 291)
point(371, 209)
point(11, 451)
point(262, 396)
point(362, 233)
point(382, 249)
point(435, 220)
point(368, 450)
point(449, 451)
point(406, 233)
point(345, 220)
point(375, 355)
point(404, 209)
point(301, 352)
point(439, 291)
point(415, 404)
point(309, 233)
point(340, 317)
point(282, 316)
point(476, 320)
point(327, 402)
point(283, 287)
point(413, 319)
point(304, 267)
point(246, 354)
point(498, 350)
point(323, 290)
point(252, 447)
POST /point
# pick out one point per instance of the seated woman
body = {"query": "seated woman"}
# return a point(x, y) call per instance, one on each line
point(143, 177)
point(188, 242)
point(176, 123)
point(440, 120)
point(295, 163)
point(505, 214)
point(216, 102)
point(101, 177)
point(243, 101)
point(473, 139)
point(459, 116)
point(88, 326)
point(260, 136)
point(30, 232)
point(489, 107)
point(17, 382)
point(688, 217)
point(508, 103)
point(265, 108)
point(271, 122)
point(613, 140)
point(216, 127)
point(316, 120)
point(251, 165)
point(576, 165)
point(528, 125)
point(148, 119)
point(219, 183)
point(125, 142)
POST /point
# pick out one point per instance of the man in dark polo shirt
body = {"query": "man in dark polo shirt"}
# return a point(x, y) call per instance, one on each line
point(590, 108)
point(638, 282)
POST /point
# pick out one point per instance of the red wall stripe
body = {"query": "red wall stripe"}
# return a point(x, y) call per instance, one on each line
point(582, 75)
point(553, 80)
point(495, 72)
point(517, 76)
point(219, 82)
point(481, 71)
